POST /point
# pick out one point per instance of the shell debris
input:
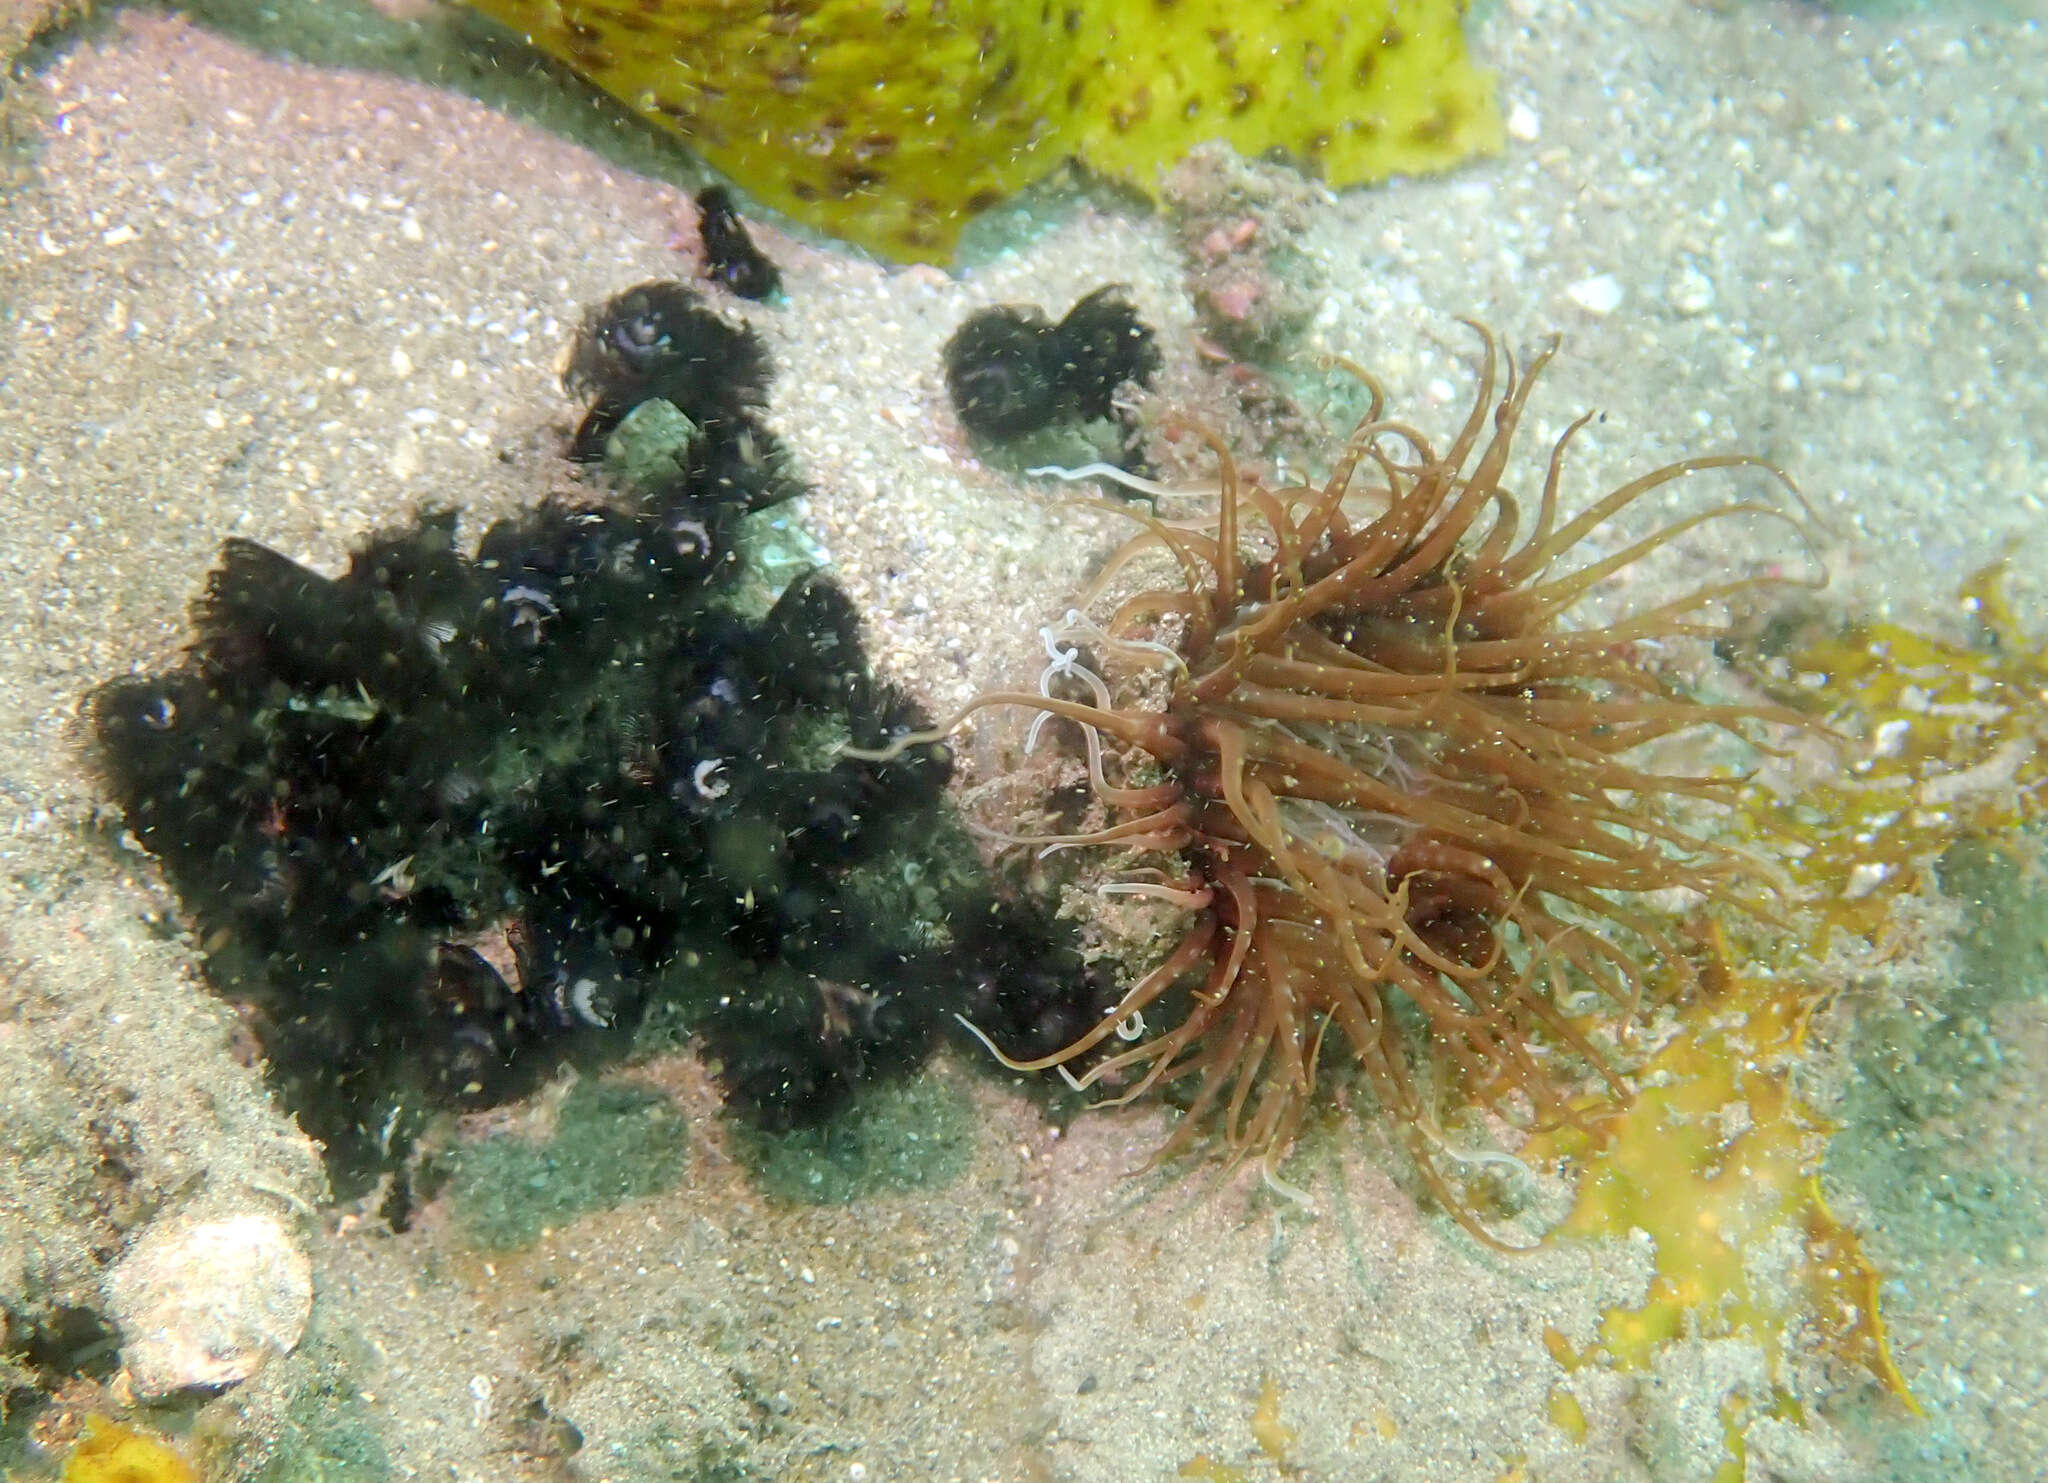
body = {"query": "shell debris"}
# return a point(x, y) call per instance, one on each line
point(204, 1304)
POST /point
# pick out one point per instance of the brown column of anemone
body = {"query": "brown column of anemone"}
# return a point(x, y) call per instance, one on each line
point(1393, 774)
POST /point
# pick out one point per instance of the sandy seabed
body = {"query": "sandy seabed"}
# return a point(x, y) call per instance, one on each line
point(247, 295)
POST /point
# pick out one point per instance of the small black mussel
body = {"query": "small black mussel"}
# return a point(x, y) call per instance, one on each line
point(731, 259)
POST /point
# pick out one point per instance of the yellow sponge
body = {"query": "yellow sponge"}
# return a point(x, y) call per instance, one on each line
point(892, 122)
point(112, 1453)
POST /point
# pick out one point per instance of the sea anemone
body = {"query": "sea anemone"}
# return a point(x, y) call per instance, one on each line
point(1401, 800)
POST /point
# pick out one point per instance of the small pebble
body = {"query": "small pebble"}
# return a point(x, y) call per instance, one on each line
point(1690, 292)
point(1600, 294)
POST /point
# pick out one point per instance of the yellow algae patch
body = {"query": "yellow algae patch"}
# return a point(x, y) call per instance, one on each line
point(1355, 91)
point(1714, 1161)
point(1379, 1426)
point(1945, 739)
point(112, 1453)
point(1715, 1157)
point(892, 122)
point(1274, 1436)
point(1566, 1414)
point(1209, 1470)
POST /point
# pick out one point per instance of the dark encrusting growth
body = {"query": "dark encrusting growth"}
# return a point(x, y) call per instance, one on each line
point(446, 818)
point(730, 257)
point(1011, 372)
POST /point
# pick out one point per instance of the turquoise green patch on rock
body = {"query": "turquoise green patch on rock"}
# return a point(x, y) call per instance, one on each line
point(898, 1135)
point(1922, 1071)
point(328, 1436)
point(613, 1142)
point(307, 1419)
point(652, 446)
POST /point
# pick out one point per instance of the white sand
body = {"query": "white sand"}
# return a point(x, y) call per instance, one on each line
point(248, 296)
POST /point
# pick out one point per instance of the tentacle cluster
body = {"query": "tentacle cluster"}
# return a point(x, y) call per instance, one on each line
point(1403, 796)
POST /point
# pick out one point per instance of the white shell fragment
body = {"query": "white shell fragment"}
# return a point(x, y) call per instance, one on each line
point(204, 1304)
point(1600, 294)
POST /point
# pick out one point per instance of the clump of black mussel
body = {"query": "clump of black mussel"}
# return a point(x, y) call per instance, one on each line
point(450, 817)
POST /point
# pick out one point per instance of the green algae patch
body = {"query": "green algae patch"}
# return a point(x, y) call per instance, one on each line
point(307, 1418)
point(613, 1142)
point(328, 1436)
point(914, 1134)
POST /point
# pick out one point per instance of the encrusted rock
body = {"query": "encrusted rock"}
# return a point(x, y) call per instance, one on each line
point(204, 1304)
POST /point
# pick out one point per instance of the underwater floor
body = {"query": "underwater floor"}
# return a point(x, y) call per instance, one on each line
point(297, 300)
